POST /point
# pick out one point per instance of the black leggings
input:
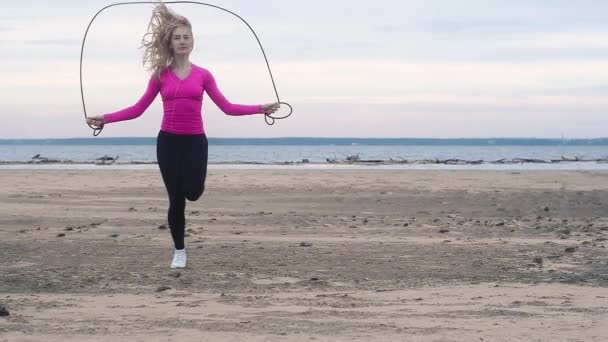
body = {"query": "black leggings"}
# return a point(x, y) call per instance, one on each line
point(182, 159)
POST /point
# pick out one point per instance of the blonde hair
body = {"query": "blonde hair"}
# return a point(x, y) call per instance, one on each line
point(157, 41)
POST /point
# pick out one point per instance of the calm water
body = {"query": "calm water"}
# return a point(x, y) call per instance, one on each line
point(317, 154)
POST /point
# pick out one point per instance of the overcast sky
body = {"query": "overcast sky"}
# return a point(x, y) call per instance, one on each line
point(385, 68)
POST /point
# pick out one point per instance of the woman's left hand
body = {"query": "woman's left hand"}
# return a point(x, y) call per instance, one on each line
point(270, 108)
point(96, 121)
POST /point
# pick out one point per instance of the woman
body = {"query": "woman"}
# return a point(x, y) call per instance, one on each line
point(181, 144)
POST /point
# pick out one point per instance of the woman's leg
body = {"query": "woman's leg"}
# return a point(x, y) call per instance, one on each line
point(169, 153)
point(194, 167)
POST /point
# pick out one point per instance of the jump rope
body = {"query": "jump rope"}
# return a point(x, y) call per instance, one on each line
point(267, 117)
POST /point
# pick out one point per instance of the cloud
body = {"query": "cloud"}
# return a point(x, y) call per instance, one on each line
point(386, 28)
point(56, 42)
point(560, 40)
point(392, 63)
point(458, 27)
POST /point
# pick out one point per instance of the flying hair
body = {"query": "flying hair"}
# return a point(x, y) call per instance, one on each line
point(157, 41)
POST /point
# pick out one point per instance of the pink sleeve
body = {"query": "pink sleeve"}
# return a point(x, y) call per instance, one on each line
point(228, 108)
point(140, 107)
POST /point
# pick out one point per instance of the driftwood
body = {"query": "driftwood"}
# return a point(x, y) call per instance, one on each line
point(458, 161)
point(355, 159)
point(528, 160)
point(352, 159)
point(577, 159)
point(39, 159)
point(106, 160)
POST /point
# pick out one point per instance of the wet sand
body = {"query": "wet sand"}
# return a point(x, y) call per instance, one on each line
point(306, 255)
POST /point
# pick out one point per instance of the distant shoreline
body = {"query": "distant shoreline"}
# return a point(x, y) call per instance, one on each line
point(312, 141)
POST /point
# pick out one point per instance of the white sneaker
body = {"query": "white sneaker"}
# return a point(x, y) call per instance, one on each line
point(179, 258)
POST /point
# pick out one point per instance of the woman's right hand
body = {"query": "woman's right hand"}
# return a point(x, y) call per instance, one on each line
point(96, 121)
point(270, 108)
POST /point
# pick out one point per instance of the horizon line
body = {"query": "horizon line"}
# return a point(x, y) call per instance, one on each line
point(318, 137)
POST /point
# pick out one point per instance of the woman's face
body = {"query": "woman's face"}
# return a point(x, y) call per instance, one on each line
point(181, 41)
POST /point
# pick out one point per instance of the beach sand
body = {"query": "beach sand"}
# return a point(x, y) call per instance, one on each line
point(306, 255)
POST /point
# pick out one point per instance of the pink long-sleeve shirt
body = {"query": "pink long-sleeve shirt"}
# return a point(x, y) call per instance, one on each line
point(182, 101)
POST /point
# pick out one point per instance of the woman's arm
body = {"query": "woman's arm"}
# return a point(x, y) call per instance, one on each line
point(140, 107)
point(218, 98)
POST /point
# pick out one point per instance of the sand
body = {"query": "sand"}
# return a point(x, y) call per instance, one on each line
point(306, 255)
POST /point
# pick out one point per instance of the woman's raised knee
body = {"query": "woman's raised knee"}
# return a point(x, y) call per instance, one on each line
point(193, 196)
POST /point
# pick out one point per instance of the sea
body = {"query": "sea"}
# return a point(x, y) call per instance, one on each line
point(317, 153)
